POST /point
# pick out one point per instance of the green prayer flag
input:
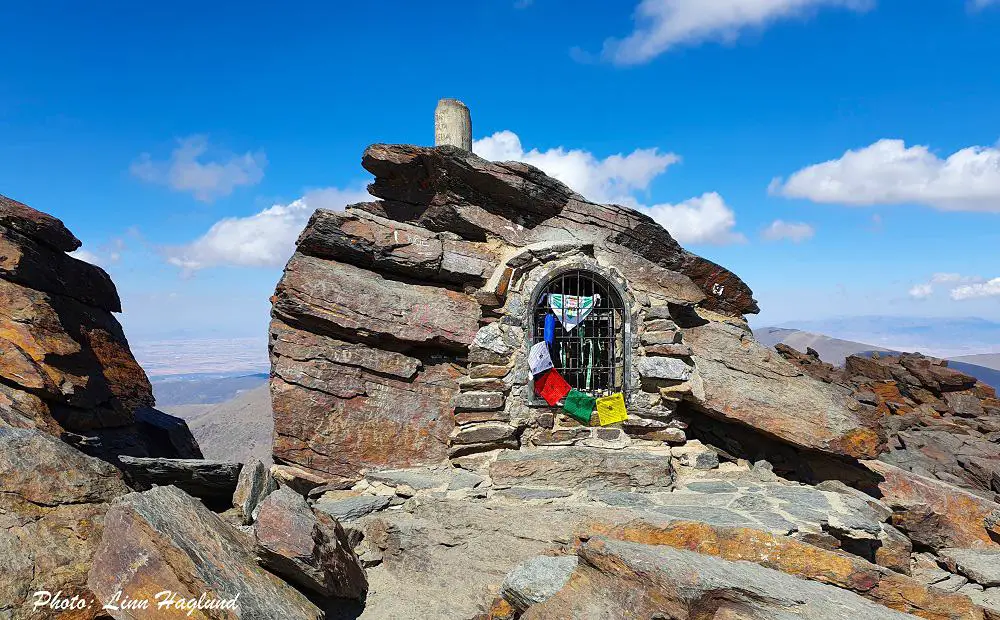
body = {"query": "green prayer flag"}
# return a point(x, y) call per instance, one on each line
point(578, 405)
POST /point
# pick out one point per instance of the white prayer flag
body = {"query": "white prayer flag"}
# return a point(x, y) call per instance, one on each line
point(539, 359)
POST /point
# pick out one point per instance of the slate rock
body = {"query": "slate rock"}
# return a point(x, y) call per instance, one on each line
point(743, 381)
point(351, 508)
point(306, 548)
point(213, 481)
point(254, 484)
point(52, 504)
point(537, 579)
point(619, 579)
point(933, 513)
point(979, 565)
point(583, 468)
point(664, 368)
point(773, 550)
point(41, 227)
point(324, 295)
point(163, 539)
point(337, 418)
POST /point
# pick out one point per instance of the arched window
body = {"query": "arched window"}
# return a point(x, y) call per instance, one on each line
point(588, 344)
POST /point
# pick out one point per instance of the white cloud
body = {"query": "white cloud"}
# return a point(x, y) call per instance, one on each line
point(796, 232)
point(990, 288)
point(705, 219)
point(265, 239)
point(611, 179)
point(973, 286)
point(105, 256)
point(888, 172)
point(982, 4)
point(186, 171)
point(664, 24)
point(87, 256)
point(921, 291)
point(616, 179)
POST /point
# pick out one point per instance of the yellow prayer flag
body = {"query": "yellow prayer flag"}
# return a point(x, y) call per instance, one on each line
point(611, 409)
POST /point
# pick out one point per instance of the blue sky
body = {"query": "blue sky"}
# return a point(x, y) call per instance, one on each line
point(143, 126)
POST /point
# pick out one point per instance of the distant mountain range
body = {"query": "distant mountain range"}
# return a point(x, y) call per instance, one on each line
point(985, 367)
point(238, 429)
point(203, 389)
point(937, 336)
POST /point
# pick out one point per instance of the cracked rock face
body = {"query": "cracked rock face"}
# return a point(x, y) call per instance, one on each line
point(65, 364)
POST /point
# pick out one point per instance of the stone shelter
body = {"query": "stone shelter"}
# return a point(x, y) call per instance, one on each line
point(402, 328)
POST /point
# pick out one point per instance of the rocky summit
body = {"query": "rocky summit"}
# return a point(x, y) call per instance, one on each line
point(493, 399)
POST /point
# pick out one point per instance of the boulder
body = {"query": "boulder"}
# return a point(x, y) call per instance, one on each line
point(933, 513)
point(306, 548)
point(385, 422)
point(255, 483)
point(163, 539)
point(212, 481)
point(617, 579)
point(583, 468)
point(72, 355)
point(32, 264)
point(372, 242)
point(52, 504)
point(742, 381)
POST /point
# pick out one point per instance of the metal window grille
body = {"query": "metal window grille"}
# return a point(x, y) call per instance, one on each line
point(591, 355)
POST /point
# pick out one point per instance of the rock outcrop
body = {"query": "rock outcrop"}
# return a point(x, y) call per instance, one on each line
point(939, 422)
point(65, 365)
point(399, 327)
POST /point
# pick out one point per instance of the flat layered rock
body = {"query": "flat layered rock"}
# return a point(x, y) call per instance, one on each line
point(328, 298)
point(797, 558)
point(383, 245)
point(41, 227)
point(979, 565)
point(745, 382)
point(38, 266)
point(163, 539)
point(583, 468)
point(52, 504)
point(213, 481)
point(618, 579)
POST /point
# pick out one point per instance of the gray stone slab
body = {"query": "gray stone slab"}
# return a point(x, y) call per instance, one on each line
point(353, 507)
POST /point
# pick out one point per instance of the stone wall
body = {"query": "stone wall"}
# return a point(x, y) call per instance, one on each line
point(399, 327)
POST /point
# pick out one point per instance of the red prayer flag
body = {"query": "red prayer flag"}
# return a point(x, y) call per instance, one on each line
point(551, 386)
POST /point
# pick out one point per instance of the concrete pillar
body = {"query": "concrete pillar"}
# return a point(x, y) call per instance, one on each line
point(452, 124)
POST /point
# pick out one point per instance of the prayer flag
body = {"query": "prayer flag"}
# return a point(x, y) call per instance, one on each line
point(611, 409)
point(578, 405)
point(551, 386)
